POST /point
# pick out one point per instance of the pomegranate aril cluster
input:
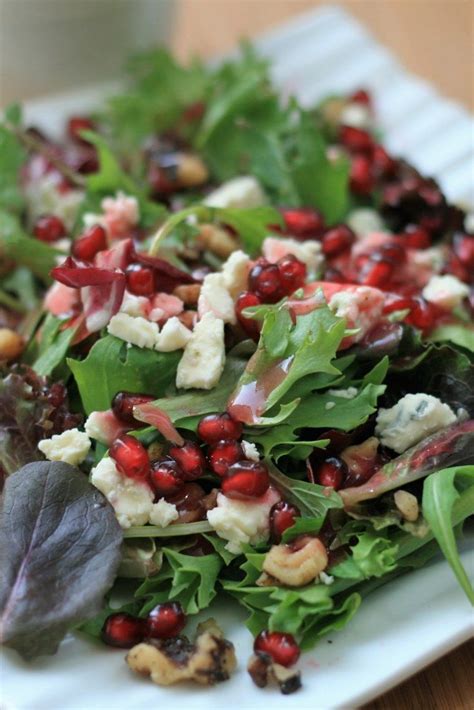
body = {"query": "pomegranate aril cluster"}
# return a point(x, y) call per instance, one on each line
point(131, 457)
point(164, 621)
point(88, 244)
point(271, 282)
point(282, 647)
point(49, 228)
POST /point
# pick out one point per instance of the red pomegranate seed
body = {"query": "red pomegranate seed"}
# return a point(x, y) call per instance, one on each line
point(303, 222)
point(247, 300)
point(377, 272)
point(463, 245)
point(131, 457)
point(165, 620)
point(76, 124)
point(190, 459)
point(355, 139)
point(361, 179)
point(166, 477)
point(281, 647)
point(189, 502)
point(384, 165)
point(361, 96)
point(423, 314)
point(140, 279)
point(415, 237)
point(397, 303)
point(292, 273)
point(215, 427)
point(224, 454)
point(455, 267)
point(160, 180)
point(265, 281)
point(337, 240)
point(87, 245)
point(123, 404)
point(49, 228)
point(122, 630)
point(392, 251)
point(331, 473)
point(246, 479)
point(282, 516)
point(194, 112)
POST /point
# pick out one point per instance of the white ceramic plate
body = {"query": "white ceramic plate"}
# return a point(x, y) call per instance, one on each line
point(401, 627)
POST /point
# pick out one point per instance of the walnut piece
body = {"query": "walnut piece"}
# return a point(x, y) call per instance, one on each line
point(298, 563)
point(407, 504)
point(11, 344)
point(207, 661)
point(216, 239)
point(263, 670)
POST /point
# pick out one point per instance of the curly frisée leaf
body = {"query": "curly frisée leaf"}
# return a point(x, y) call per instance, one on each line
point(59, 554)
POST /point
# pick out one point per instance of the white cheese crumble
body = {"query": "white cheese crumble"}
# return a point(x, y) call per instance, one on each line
point(348, 393)
point(242, 191)
point(445, 291)
point(131, 500)
point(357, 115)
point(137, 331)
point(163, 513)
point(215, 298)
point(411, 419)
point(250, 450)
point(204, 356)
point(361, 308)
point(134, 305)
point(43, 197)
point(309, 251)
point(242, 522)
point(72, 446)
point(432, 258)
point(325, 578)
point(365, 220)
point(174, 336)
point(235, 272)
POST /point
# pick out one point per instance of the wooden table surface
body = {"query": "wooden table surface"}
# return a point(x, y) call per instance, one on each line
point(435, 39)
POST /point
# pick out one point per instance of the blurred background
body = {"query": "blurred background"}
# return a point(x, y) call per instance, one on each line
point(50, 45)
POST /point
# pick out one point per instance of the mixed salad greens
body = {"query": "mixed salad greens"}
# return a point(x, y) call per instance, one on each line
point(237, 348)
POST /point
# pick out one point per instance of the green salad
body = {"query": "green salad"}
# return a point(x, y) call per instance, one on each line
point(236, 360)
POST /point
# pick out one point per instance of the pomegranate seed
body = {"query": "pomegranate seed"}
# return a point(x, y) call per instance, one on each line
point(130, 457)
point(393, 252)
point(265, 281)
point(361, 179)
point(160, 180)
point(423, 314)
point(292, 273)
point(189, 502)
point(303, 222)
point(455, 267)
point(215, 427)
point(246, 479)
point(384, 165)
point(76, 124)
point(224, 454)
point(337, 240)
point(331, 473)
point(282, 516)
point(165, 620)
point(140, 279)
point(361, 96)
point(190, 459)
point(247, 300)
point(122, 630)
point(123, 404)
point(355, 139)
point(281, 647)
point(335, 276)
point(49, 228)
point(166, 477)
point(397, 303)
point(415, 237)
point(463, 245)
point(88, 244)
point(377, 271)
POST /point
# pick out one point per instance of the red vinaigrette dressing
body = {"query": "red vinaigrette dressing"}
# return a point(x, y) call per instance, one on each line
point(248, 403)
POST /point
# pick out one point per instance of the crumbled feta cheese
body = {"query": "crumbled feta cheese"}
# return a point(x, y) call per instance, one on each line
point(411, 419)
point(131, 500)
point(163, 513)
point(329, 405)
point(309, 251)
point(204, 356)
point(242, 522)
point(325, 578)
point(137, 331)
point(250, 450)
point(432, 258)
point(235, 272)
point(134, 305)
point(44, 197)
point(239, 192)
point(357, 115)
point(165, 305)
point(445, 291)
point(174, 336)
point(104, 427)
point(365, 220)
point(89, 219)
point(361, 308)
point(215, 298)
point(72, 446)
point(120, 213)
point(348, 393)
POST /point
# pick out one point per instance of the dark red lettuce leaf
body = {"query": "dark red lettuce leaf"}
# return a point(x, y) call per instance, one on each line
point(75, 275)
point(31, 408)
point(59, 554)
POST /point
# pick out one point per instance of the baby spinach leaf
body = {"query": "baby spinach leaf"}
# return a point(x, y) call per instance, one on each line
point(111, 366)
point(59, 553)
point(53, 346)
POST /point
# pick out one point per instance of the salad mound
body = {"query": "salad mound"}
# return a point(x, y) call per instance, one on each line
point(236, 352)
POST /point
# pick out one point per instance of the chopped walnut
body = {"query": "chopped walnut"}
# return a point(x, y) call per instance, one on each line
point(11, 344)
point(188, 293)
point(217, 240)
point(298, 563)
point(207, 661)
point(263, 669)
